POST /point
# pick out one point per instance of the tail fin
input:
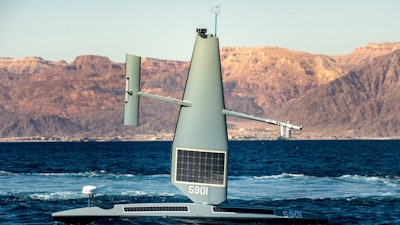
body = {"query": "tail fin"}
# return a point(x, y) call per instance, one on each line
point(131, 109)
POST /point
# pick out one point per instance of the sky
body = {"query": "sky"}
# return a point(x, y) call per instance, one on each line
point(62, 30)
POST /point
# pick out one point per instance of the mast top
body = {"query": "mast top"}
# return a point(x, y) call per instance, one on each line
point(215, 9)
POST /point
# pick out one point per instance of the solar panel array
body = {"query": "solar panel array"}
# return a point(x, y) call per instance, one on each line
point(200, 166)
point(156, 209)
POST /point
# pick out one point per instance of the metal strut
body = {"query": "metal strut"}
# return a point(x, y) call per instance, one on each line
point(283, 125)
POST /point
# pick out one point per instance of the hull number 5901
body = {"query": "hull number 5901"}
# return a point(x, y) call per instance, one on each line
point(292, 214)
point(197, 190)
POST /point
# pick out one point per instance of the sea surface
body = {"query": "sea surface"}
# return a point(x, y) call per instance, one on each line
point(351, 182)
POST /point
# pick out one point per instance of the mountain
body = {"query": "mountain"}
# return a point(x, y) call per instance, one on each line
point(83, 98)
point(362, 103)
point(350, 96)
point(362, 56)
point(257, 78)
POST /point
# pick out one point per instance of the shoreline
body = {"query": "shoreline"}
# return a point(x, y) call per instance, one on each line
point(169, 137)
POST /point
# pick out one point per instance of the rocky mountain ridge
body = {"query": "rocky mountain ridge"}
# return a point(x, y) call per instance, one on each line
point(363, 55)
point(351, 96)
point(362, 103)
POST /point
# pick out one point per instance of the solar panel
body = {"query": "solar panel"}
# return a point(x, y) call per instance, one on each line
point(156, 209)
point(200, 166)
point(242, 210)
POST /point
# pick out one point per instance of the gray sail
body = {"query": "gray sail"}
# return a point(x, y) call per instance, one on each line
point(200, 146)
point(131, 108)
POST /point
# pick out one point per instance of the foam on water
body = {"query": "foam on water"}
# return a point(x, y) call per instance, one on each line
point(296, 186)
point(285, 186)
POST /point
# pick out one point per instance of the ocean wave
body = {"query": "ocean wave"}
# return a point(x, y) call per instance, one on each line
point(385, 179)
point(74, 195)
point(288, 186)
point(55, 196)
point(282, 175)
point(68, 195)
point(101, 173)
point(5, 173)
point(145, 193)
point(285, 186)
point(105, 174)
point(347, 177)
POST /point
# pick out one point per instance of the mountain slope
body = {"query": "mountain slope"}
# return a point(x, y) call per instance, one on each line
point(85, 98)
point(363, 103)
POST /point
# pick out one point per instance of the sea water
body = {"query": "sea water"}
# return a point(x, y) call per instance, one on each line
point(351, 181)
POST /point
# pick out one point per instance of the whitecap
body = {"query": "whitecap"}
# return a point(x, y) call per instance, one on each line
point(282, 175)
point(55, 196)
point(5, 173)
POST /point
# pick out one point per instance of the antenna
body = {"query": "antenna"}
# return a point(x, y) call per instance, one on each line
point(215, 9)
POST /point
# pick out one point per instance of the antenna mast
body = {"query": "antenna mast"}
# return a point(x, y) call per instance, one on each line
point(215, 9)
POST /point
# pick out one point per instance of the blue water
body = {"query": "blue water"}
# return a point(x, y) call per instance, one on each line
point(351, 182)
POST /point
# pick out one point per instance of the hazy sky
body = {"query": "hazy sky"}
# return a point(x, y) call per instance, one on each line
point(58, 30)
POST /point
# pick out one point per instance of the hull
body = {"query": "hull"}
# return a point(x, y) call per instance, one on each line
point(191, 211)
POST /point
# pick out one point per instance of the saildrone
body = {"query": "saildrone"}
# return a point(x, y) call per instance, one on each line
point(199, 158)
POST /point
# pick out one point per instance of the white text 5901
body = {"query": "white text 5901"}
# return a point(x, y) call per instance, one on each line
point(292, 214)
point(198, 190)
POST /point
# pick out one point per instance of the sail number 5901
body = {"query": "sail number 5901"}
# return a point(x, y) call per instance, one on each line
point(198, 190)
